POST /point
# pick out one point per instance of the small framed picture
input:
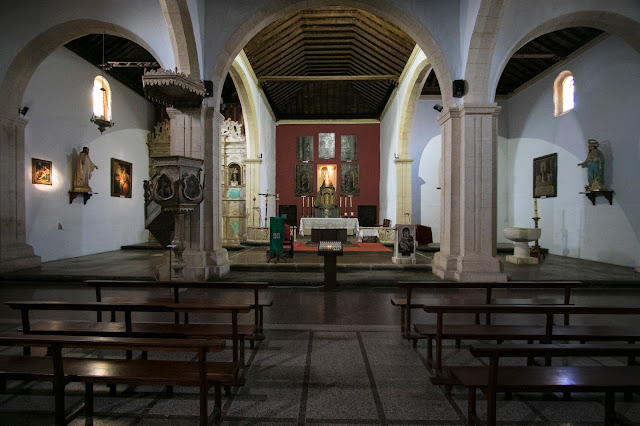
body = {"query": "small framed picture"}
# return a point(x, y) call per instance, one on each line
point(121, 178)
point(545, 176)
point(41, 171)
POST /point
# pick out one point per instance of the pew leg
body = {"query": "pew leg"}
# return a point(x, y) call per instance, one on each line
point(566, 396)
point(113, 388)
point(457, 343)
point(217, 410)
point(628, 396)
point(414, 342)
point(3, 384)
point(609, 409)
point(59, 403)
point(491, 408)
point(88, 400)
point(227, 391)
point(508, 396)
point(129, 354)
point(429, 352)
point(169, 390)
point(252, 344)
point(144, 355)
point(471, 406)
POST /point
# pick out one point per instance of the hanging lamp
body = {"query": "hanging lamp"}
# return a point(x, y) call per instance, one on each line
point(101, 121)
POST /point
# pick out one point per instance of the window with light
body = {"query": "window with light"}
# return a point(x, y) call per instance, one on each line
point(564, 93)
point(101, 98)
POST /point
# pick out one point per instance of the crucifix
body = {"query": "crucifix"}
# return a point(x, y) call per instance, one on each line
point(266, 206)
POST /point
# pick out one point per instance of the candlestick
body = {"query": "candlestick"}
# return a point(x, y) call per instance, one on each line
point(535, 207)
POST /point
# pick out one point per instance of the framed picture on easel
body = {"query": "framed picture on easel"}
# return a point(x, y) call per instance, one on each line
point(545, 176)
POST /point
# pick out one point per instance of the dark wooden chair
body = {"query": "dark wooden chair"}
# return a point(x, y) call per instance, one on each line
point(287, 244)
point(386, 223)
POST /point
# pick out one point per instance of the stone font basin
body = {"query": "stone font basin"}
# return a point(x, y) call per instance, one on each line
point(522, 234)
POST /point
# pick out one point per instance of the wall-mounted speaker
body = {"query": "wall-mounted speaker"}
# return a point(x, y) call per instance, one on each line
point(458, 88)
point(208, 88)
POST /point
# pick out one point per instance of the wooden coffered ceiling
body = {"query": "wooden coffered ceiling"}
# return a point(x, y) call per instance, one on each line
point(329, 63)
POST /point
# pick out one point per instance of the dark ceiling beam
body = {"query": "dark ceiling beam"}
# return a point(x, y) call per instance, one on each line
point(305, 78)
point(534, 56)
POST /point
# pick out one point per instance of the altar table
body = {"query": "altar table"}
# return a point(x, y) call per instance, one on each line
point(308, 223)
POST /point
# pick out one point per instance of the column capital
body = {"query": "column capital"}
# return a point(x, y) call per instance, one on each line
point(484, 109)
point(15, 121)
point(403, 160)
point(252, 160)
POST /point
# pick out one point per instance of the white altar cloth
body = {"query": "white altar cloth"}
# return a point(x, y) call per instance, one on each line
point(309, 223)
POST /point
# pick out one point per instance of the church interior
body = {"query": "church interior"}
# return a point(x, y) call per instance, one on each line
point(342, 157)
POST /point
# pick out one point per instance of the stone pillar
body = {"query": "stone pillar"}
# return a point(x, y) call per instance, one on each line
point(15, 253)
point(469, 208)
point(253, 188)
point(403, 190)
point(217, 257)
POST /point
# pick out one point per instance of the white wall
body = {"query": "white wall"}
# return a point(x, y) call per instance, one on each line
point(425, 149)
point(59, 97)
point(607, 91)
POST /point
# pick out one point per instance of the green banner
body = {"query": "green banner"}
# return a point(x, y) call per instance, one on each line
point(276, 233)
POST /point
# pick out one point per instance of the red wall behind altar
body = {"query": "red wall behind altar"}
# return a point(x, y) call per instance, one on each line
point(368, 158)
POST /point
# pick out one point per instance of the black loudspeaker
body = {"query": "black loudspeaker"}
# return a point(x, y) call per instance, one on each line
point(208, 88)
point(458, 88)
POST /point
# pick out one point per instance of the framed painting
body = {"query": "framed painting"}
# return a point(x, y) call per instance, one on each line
point(304, 148)
point(348, 148)
point(41, 171)
point(326, 145)
point(350, 179)
point(545, 176)
point(304, 180)
point(121, 178)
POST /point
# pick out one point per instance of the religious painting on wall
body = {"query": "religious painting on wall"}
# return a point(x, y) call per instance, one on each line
point(326, 145)
point(121, 182)
point(350, 179)
point(348, 148)
point(41, 171)
point(545, 176)
point(304, 180)
point(304, 148)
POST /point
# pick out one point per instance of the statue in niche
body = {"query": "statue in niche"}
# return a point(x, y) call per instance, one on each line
point(594, 163)
point(83, 171)
point(235, 177)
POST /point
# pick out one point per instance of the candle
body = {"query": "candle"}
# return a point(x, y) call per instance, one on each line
point(535, 207)
point(351, 202)
point(312, 201)
point(340, 202)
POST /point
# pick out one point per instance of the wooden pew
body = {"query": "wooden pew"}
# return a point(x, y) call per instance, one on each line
point(257, 300)
point(61, 370)
point(233, 331)
point(544, 333)
point(408, 303)
point(496, 378)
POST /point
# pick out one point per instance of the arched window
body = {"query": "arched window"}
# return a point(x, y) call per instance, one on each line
point(101, 98)
point(563, 93)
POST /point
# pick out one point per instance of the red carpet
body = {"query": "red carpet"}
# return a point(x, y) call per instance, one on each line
point(355, 247)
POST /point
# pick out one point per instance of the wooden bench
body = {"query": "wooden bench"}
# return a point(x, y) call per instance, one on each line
point(544, 333)
point(495, 378)
point(256, 298)
point(60, 369)
point(233, 331)
point(408, 303)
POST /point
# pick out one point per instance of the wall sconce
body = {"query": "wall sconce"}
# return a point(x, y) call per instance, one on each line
point(260, 155)
point(396, 155)
point(23, 110)
point(438, 107)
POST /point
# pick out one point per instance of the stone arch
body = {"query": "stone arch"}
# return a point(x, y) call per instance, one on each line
point(383, 8)
point(403, 163)
point(249, 110)
point(612, 23)
point(183, 40)
point(37, 50)
point(481, 48)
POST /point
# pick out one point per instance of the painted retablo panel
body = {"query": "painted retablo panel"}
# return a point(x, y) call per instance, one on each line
point(304, 148)
point(350, 179)
point(348, 148)
point(304, 180)
point(326, 145)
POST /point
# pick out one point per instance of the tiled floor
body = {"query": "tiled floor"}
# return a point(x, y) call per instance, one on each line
point(330, 357)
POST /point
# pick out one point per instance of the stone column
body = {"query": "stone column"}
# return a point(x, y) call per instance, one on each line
point(403, 189)
point(15, 253)
point(252, 189)
point(468, 208)
point(217, 257)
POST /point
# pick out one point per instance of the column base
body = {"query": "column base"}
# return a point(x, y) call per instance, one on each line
point(200, 265)
point(468, 268)
point(15, 257)
point(403, 260)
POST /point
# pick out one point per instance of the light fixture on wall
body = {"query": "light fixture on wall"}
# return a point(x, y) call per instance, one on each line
point(259, 155)
point(101, 121)
point(395, 155)
point(23, 111)
point(438, 107)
